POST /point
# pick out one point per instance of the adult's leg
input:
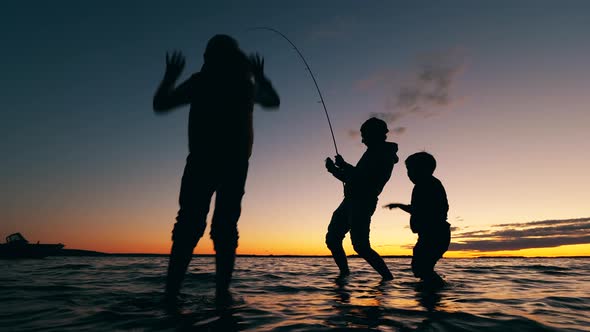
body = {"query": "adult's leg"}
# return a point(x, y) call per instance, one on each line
point(337, 229)
point(195, 196)
point(360, 221)
point(224, 227)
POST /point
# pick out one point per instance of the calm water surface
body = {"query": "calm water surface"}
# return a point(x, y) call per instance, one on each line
point(295, 294)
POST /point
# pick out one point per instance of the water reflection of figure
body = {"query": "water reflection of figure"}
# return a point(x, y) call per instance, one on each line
point(362, 185)
point(342, 292)
point(429, 298)
point(221, 96)
point(363, 313)
point(222, 318)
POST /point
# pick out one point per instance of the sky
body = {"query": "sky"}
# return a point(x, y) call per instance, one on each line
point(496, 91)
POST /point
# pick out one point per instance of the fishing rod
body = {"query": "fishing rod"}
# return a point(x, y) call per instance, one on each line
point(312, 77)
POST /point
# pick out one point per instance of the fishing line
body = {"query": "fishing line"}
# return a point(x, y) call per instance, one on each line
point(312, 77)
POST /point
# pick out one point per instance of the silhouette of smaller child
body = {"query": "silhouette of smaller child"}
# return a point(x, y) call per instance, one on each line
point(428, 211)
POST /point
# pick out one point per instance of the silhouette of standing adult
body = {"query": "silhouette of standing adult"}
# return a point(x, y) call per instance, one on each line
point(220, 131)
point(362, 185)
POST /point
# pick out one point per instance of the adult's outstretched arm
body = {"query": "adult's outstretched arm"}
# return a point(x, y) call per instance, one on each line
point(168, 97)
point(264, 93)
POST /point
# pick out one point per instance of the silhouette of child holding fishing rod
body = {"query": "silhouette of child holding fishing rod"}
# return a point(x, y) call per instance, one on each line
point(428, 210)
point(362, 185)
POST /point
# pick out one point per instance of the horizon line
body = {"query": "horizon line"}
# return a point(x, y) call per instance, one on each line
point(82, 252)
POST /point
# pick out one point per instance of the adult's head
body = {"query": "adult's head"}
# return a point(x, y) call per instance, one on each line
point(223, 54)
point(374, 131)
point(420, 166)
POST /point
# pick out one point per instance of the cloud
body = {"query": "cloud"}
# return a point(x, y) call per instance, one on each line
point(427, 90)
point(534, 234)
point(378, 79)
point(399, 130)
point(430, 87)
point(387, 117)
point(354, 133)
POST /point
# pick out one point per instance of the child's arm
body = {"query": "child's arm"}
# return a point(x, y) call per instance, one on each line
point(405, 207)
point(343, 164)
point(336, 171)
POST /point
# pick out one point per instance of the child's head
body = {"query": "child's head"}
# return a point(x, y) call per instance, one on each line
point(420, 165)
point(374, 131)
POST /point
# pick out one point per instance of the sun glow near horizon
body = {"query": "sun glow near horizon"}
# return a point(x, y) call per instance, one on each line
point(310, 246)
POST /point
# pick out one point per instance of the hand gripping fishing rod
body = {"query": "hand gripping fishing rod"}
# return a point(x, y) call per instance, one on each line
point(312, 77)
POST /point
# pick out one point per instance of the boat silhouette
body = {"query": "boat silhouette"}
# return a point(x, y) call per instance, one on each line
point(17, 246)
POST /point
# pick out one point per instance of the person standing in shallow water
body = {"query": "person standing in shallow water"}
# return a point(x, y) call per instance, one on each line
point(362, 185)
point(428, 210)
point(221, 97)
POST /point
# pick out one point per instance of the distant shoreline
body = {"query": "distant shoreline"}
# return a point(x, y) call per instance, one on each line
point(90, 253)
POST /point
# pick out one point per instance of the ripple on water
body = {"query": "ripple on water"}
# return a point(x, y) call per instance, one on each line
point(295, 294)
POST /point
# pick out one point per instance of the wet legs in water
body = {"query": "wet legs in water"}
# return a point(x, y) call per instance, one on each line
point(423, 268)
point(373, 258)
point(356, 218)
point(340, 258)
point(195, 196)
point(367, 253)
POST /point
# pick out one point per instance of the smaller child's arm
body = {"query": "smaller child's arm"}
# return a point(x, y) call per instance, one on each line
point(405, 207)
